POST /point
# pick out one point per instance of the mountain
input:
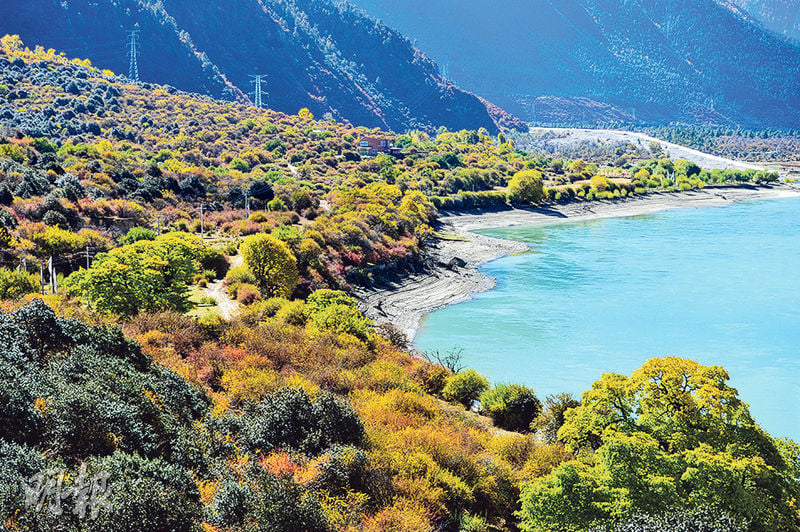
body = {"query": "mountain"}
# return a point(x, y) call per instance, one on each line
point(601, 61)
point(780, 16)
point(327, 57)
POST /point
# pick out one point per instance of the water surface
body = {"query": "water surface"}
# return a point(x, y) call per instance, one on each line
point(718, 285)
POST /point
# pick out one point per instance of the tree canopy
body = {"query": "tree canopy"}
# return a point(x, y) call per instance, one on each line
point(672, 435)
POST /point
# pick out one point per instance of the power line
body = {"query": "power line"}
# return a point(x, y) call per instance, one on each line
point(133, 54)
point(258, 92)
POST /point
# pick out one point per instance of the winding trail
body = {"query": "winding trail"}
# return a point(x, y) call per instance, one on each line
point(227, 307)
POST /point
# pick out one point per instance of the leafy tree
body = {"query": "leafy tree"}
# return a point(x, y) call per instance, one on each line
point(272, 263)
point(135, 234)
point(674, 434)
point(511, 406)
point(552, 418)
point(14, 284)
point(144, 275)
point(526, 188)
point(465, 387)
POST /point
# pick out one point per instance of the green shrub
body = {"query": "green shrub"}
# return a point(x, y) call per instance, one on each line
point(465, 387)
point(135, 234)
point(293, 313)
point(289, 419)
point(14, 284)
point(213, 260)
point(511, 406)
point(343, 319)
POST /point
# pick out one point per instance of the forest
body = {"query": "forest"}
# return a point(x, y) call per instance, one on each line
point(124, 381)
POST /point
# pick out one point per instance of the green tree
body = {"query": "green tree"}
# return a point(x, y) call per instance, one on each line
point(465, 387)
point(145, 275)
point(671, 435)
point(526, 188)
point(272, 263)
point(511, 406)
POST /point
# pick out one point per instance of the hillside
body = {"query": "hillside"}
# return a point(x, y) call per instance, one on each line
point(780, 16)
point(321, 55)
point(603, 62)
point(299, 413)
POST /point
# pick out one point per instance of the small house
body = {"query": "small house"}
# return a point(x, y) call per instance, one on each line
point(371, 146)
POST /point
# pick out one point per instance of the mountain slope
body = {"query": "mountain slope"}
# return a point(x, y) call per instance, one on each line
point(781, 16)
point(596, 61)
point(329, 58)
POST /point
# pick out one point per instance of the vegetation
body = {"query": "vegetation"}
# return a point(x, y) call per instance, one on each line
point(674, 435)
point(294, 411)
point(272, 263)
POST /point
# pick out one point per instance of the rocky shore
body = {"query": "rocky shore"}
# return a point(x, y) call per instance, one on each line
point(451, 274)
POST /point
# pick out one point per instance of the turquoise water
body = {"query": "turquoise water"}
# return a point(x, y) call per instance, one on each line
point(718, 285)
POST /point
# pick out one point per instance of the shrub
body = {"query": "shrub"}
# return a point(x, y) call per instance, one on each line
point(272, 263)
point(147, 495)
point(14, 284)
point(465, 387)
point(293, 313)
point(247, 294)
point(290, 419)
point(511, 406)
point(239, 275)
point(343, 319)
point(213, 260)
point(526, 188)
point(320, 300)
point(135, 234)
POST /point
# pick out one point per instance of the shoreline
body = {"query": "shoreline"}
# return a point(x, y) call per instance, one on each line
point(455, 256)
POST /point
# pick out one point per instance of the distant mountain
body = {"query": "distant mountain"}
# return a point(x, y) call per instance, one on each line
point(317, 54)
point(781, 16)
point(600, 61)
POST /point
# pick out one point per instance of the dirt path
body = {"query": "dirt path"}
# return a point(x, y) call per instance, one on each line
point(228, 308)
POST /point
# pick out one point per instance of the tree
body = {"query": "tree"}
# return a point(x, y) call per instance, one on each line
point(465, 387)
point(144, 275)
point(526, 188)
point(511, 406)
point(671, 435)
point(273, 264)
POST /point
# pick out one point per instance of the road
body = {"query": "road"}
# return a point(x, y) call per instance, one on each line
point(564, 137)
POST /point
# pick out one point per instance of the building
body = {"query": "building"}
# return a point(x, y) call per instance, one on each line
point(370, 147)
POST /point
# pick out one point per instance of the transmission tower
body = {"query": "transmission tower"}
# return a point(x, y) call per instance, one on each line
point(258, 93)
point(133, 54)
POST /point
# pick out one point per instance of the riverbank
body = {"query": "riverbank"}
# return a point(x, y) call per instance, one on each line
point(452, 273)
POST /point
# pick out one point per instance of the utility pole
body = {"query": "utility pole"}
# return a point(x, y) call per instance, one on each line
point(258, 93)
point(53, 281)
point(133, 54)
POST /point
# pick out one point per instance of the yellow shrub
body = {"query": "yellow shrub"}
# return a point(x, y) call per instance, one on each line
point(250, 383)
